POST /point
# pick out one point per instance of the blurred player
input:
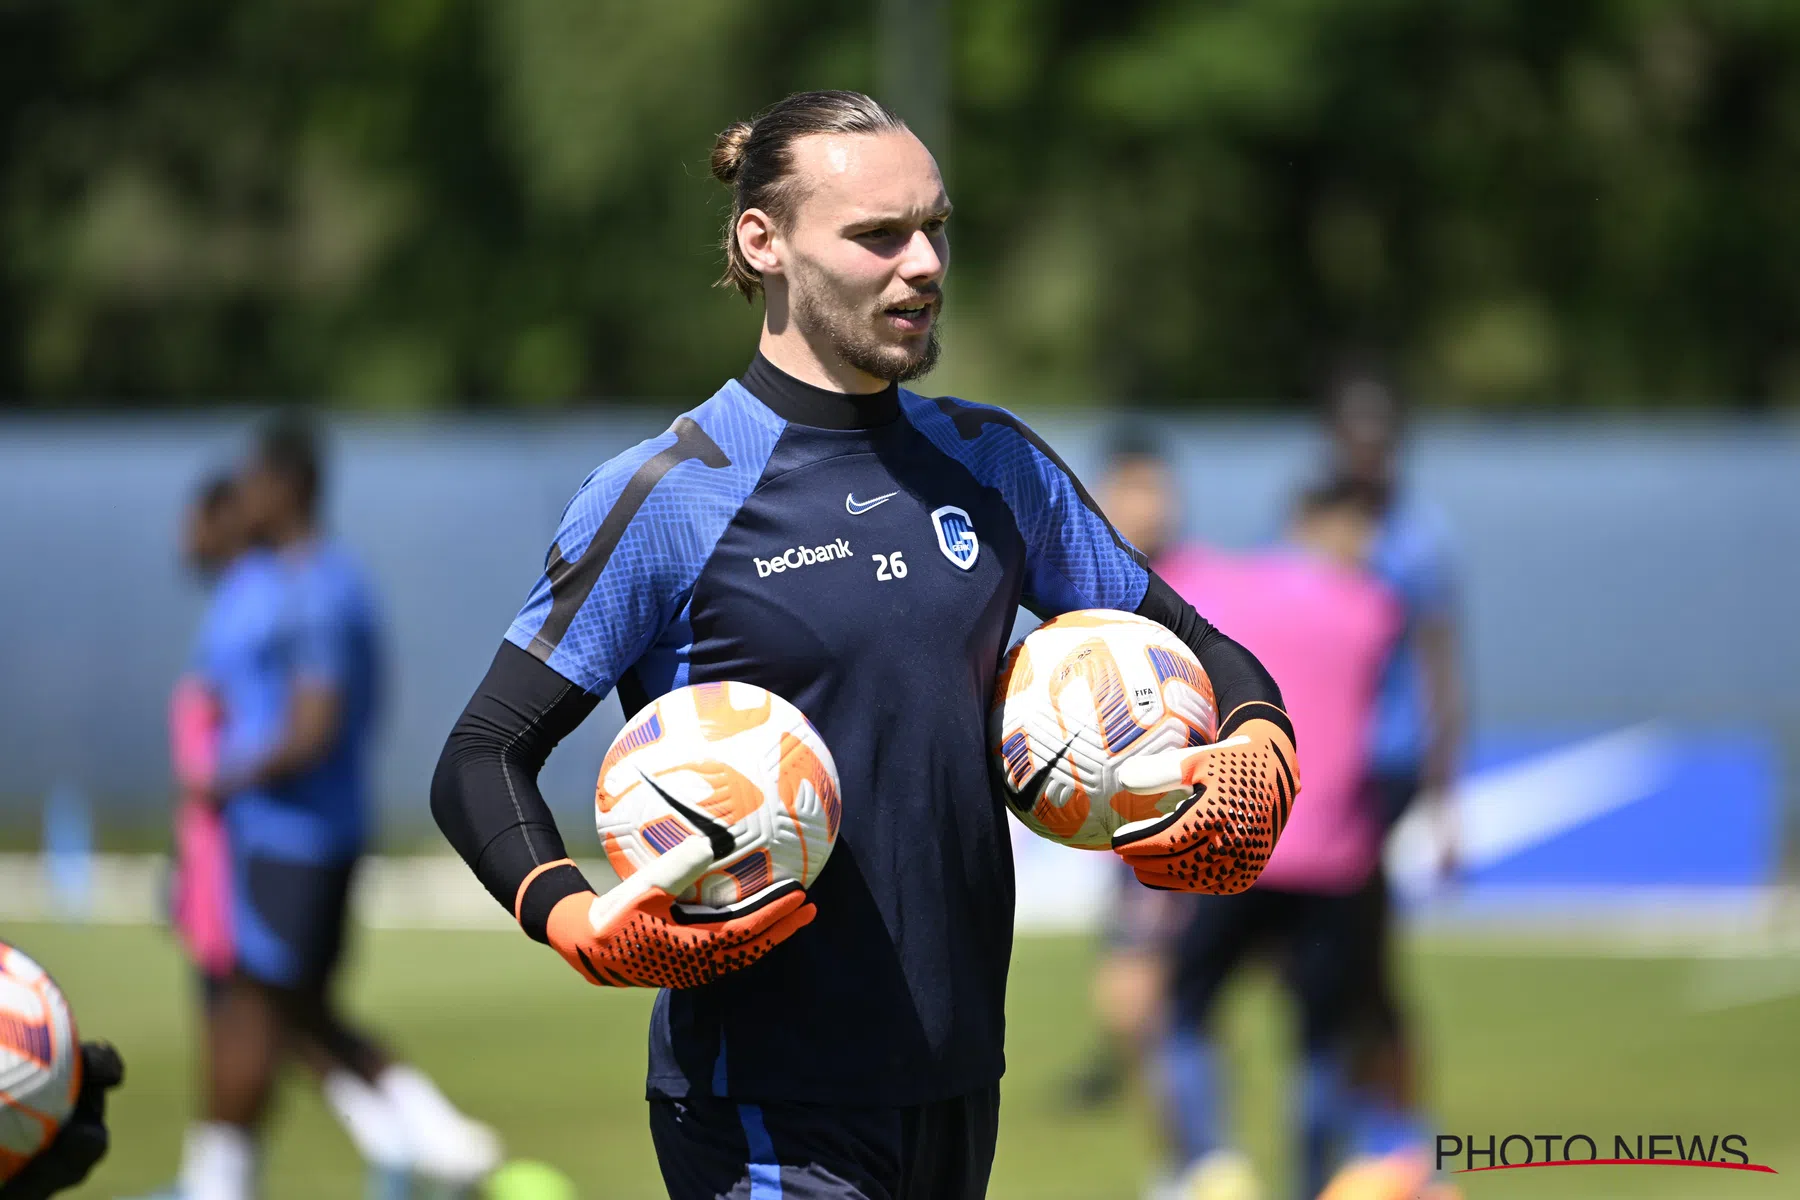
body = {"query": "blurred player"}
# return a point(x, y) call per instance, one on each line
point(1419, 718)
point(214, 537)
point(862, 1057)
point(1311, 612)
point(1418, 730)
point(1136, 491)
point(272, 731)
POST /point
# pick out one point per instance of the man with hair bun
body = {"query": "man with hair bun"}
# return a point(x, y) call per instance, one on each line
point(844, 1043)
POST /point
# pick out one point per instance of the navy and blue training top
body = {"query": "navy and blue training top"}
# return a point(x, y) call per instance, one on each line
point(863, 557)
point(279, 618)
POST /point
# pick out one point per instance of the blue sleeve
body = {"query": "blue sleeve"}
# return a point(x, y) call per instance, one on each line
point(633, 540)
point(1074, 558)
point(323, 631)
point(1437, 574)
point(1435, 584)
point(1415, 556)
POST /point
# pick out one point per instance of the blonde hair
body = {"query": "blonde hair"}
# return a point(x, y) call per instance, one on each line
point(754, 159)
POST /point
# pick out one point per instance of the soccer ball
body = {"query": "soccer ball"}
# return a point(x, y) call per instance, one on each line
point(732, 761)
point(1076, 698)
point(40, 1060)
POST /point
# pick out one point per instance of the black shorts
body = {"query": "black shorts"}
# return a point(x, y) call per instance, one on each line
point(288, 919)
point(1329, 951)
point(212, 990)
point(1391, 793)
point(713, 1149)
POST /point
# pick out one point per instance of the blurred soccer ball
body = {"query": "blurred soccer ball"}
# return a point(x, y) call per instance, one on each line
point(40, 1060)
point(721, 754)
point(1079, 696)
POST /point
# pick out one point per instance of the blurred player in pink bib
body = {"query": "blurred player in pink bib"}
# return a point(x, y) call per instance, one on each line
point(1326, 626)
point(1332, 625)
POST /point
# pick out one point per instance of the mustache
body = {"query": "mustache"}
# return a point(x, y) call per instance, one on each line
point(933, 296)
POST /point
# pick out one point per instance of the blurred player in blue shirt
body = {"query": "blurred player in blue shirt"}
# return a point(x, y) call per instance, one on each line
point(1417, 732)
point(289, 656)
point(1419, 721)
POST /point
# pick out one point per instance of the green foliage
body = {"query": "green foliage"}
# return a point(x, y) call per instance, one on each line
point(427, 202)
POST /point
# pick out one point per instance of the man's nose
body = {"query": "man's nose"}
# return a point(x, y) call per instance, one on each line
point(921, 263)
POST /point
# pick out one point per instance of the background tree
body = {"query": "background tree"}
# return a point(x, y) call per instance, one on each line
point(441, 202)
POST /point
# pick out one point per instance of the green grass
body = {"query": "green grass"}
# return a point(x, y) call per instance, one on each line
point(1518, 1044)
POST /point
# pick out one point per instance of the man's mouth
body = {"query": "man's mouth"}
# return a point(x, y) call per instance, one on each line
point(910, 318)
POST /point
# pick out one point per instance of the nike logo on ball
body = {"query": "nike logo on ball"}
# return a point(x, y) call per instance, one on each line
point(857, 508)
point(1025, 799)
point(719, 835)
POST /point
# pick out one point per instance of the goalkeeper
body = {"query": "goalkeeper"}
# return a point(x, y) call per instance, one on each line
point(862, 1058)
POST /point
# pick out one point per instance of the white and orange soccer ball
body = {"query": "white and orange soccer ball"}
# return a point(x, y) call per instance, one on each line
point(718, 759)
point(1079, 696)
point(40, 1060)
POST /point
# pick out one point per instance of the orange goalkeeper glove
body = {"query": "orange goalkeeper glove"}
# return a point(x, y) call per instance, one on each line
point(1219, 839)
point(636, 935)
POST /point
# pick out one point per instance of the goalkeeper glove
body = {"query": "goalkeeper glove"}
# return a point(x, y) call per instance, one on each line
point(1218, 839)
point(82, 1140)
point(636, 935)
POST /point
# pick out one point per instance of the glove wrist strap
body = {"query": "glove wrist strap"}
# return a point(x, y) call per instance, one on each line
point(539, 892)
point(1256, 710)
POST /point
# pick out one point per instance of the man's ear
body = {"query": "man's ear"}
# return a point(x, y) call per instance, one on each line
point(759, 241)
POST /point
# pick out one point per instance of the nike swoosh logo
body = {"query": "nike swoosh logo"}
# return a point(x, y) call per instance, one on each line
point(720, 836)
point(857, 508)
point(1510, 809)
point(1026, 798)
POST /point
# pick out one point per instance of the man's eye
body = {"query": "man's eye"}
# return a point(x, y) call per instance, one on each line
point(877, 235)
point(934, 225)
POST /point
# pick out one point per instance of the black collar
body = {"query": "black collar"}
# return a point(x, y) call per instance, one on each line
point(804, 404)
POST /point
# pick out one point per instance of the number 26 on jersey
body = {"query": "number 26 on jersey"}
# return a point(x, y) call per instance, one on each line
point(889, 566)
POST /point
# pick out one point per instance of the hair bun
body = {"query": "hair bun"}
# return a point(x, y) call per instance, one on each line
point(728, 152)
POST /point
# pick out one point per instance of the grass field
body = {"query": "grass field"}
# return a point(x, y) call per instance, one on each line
point(1520, 1043)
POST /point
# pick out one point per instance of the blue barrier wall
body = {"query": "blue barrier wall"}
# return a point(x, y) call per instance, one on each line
point(1613, 572)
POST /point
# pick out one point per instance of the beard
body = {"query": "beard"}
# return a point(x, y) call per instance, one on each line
point(854, 338)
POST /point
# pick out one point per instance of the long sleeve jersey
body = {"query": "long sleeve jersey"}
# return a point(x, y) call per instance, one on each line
point(863, 557)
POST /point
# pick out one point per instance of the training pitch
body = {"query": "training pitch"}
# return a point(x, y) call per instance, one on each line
point(1520, 1039)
